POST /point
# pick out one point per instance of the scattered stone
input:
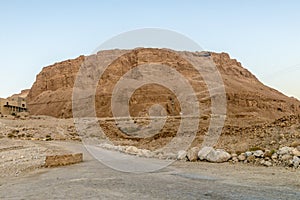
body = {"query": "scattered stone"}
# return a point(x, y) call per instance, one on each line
point(267, 163)
point(120, 148)
point(107, 146)
point(181, 155)
point(242, 157)
point(251, 158)
point(146, 153)
point(235, 159)
point(272, 142)
point(281, 135)
point(202, 154)
point(284, 150)
point(296, 152)
point(286, 157)
point(233, 155)
point(296, 161)
point(192, 154)
point(248, 153)
point(274, 156)
point(218, 155)
point(258, 153)
point(132, 150)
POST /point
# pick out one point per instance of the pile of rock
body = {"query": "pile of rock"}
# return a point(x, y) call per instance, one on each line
point(132, 150)
point(285, 156)
point(205, 154)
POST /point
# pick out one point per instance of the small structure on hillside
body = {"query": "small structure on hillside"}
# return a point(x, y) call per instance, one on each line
point(12, 105)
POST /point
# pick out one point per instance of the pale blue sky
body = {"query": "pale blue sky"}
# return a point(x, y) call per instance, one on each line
point(263, 35)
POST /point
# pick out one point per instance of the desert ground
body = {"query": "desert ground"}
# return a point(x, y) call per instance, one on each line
point(24, 177)
point(182, 180)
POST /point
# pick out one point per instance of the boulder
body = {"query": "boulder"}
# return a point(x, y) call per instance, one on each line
point(218, 156)
point(132, 150)
point(242, 157)
point(248, 153)
point(284, 150)
point(202, 154)
point(181, 155)
point(258, 153)
point(192, 154)
point(296, 161)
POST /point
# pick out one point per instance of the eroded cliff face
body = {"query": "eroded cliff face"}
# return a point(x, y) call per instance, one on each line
point(248, 100)
point(51, 93)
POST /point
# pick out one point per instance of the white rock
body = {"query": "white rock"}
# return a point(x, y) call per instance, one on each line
point(107, 146)
point(218, 155)
point(192, 154)
point(267, 164)
point(146, 153)
point(120, 148)
point(181, 155)
point(296, 161)
point(258, 153)
point(248, 153)
point(132, 150)
point(203, 152)
point(284, 150)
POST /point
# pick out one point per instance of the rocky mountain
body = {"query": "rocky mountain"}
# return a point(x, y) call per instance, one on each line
point(248, 100)
point(257, 115)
